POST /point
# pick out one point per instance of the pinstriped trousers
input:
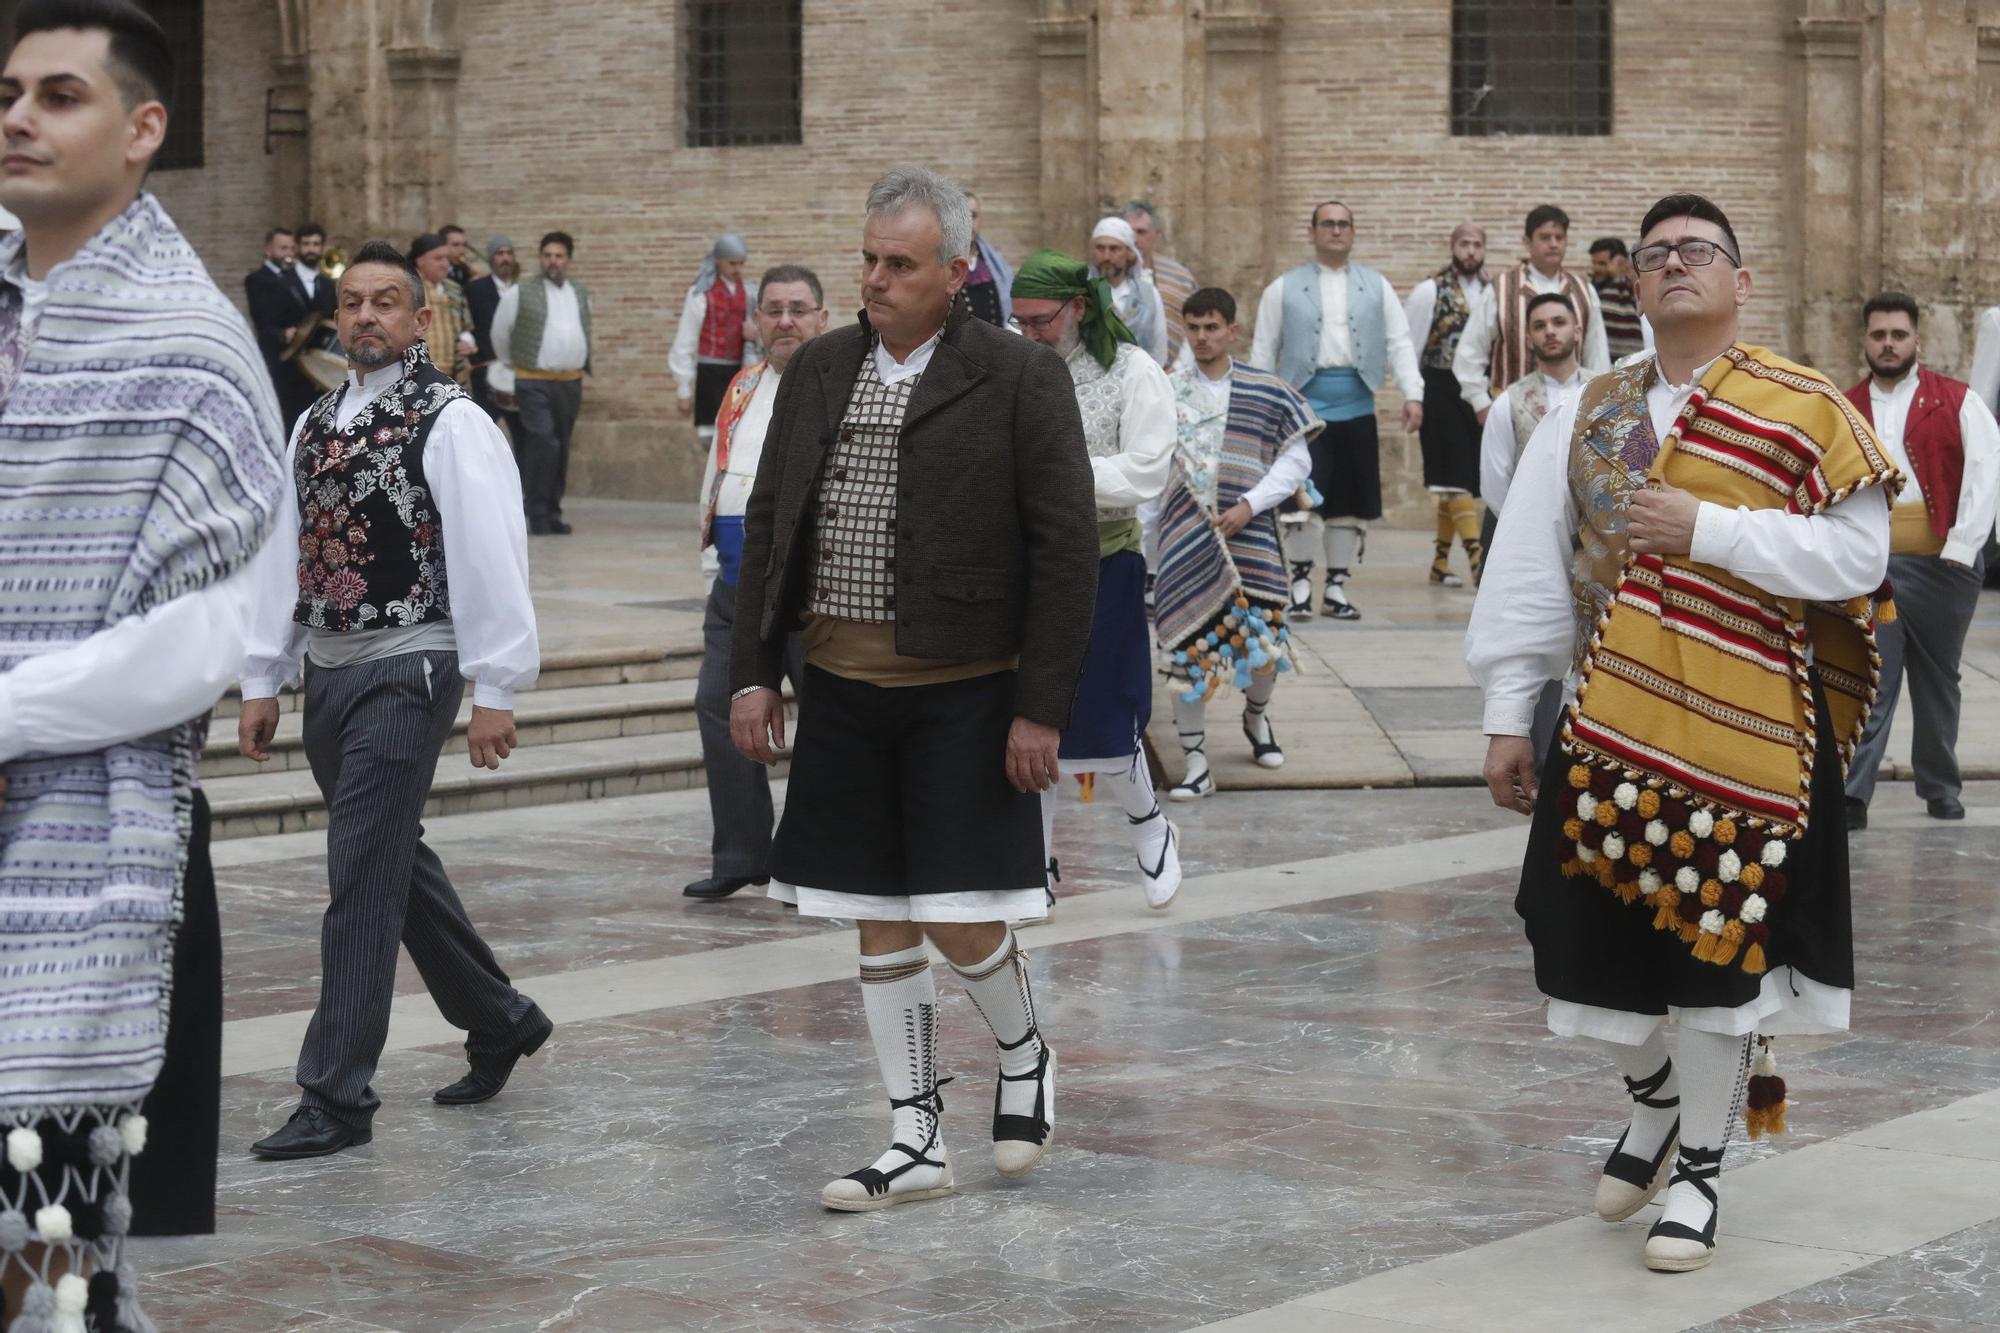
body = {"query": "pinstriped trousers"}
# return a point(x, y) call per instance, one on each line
point(373, 733)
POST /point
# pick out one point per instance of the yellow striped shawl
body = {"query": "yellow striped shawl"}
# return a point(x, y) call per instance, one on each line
point(1693, 735)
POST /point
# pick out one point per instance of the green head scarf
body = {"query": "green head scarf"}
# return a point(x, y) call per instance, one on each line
point(1051, 275)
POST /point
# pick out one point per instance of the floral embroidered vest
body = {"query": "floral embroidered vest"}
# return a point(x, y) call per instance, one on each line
point(371, 551)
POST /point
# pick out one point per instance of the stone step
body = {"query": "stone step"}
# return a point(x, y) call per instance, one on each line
point(255, 804)
point(541, 717)
point(619, 664)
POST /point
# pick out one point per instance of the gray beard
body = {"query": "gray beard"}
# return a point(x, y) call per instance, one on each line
point(371, 359)
point(1069, 343)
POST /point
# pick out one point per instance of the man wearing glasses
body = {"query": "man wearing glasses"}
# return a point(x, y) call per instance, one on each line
point(1701, 536)
point(790, 312)
point(1334, 330)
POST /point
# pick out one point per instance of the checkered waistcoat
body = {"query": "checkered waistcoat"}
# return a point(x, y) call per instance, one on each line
point(854, 548)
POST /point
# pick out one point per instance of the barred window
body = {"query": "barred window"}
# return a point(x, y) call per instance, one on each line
point(744, 59)
point(181, 19)
point(1530, 67)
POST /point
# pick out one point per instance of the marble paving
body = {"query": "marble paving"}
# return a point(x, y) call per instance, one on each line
point(1317, 1094)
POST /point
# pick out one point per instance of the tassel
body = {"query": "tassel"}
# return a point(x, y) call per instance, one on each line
point(1753, 960)
point(71, 1293)
point(1726, 944)
point(131, 1319)
point(1690, 932)
point(1086, 784)
point(1628, 892)
point(1669, 915)
point(38, 1308)
point(1764, 1103)
point(1885, 614)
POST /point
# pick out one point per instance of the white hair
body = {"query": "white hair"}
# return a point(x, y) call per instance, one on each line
point(920, 187)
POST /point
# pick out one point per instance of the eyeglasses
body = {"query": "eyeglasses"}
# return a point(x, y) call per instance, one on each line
point(1695, 254)
point(797, 312)
point(1335, 224)
point(1037, 324)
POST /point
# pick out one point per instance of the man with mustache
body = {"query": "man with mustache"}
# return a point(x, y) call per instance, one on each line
point(1438, 310)
point(412, 579)
point(1494, 352)
point(1945, 441)
point(790, 312)
point(1701, 536)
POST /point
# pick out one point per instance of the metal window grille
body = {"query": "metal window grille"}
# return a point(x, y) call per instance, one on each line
point(744, 63)
point(1530, 67)
point(181, 20)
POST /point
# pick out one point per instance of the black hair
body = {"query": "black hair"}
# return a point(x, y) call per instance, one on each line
point(423, 245)
point(310, 229)
point(792, 273)
point(561, 238)
point(1891, 302)
point(1211, 301)
point(1697, 206)
point(381, 252)
point(1541, 216)
point(451, 229)
point(1609, 245)
point(140, 59)
point(1313, 218)
point(1546, 298)
point(276, 232)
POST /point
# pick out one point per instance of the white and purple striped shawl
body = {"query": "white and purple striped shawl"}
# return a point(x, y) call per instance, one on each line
point(139, 460)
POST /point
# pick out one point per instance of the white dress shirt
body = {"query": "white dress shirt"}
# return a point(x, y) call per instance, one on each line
point(1421, 308)
point(1523, 629)
point(1499, 449)
point(1978, 492)
point(1147, 428)
point(687, 337)
point(746, 449)
point(477, 489)
point(1985, 376)
point(564, 346)
point(1475, 348)
point(1335, 338)
point(309, 278)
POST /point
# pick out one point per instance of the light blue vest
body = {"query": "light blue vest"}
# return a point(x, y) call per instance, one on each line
point(1367, 334)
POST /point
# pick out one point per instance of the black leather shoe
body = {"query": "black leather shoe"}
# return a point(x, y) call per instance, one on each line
point(311, 1132)
point(560, 528)
point(1857, 815)
point(1944, 807)
point(539, 527)
point(489, 1073)
point(720, 887)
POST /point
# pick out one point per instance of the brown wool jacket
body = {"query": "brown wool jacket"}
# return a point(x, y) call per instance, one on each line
point(996, 521)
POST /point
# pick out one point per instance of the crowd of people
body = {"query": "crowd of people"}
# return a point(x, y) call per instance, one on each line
point(1707, 571)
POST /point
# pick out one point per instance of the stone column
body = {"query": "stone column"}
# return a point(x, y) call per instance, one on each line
point(1237, 224)
point(1064, 36)
point(1836, 229)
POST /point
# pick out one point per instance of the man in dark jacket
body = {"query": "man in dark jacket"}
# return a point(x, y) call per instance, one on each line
point(483, 296)
point(923, 511)
point(277, 307)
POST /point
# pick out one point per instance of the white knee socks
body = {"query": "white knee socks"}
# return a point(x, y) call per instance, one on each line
point(1191, 726)
point(1650, 1124)
point(1149, 827)
point(1302, 540)
point(899, 995)
point(1343, 549)
point(998, 985)
point(1712, 1069)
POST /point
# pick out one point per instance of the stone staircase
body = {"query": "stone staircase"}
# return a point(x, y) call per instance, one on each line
point(604, 722)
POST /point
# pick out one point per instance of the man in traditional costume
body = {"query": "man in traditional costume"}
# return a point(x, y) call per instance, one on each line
point(943, 642)
point(791, 312)
point(1494, 350)
point(1701, 535)
point(412, 578)
point(1334, 330)
point(988, 285)
point(712, 341)
point(541, 352)
point(1135, 300)
point(1617, 298)
point(1127, 407)
point(1984, 378)
point(1943, 439)
point(138, 475)
point(1173, 280)
point(1440, 306)
point(1241, 451)
point(450, 338)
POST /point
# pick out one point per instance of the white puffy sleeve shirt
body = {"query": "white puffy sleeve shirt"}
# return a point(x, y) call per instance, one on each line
point(1523, 629)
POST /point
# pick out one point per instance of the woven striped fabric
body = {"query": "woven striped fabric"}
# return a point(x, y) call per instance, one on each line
point(1199, 573)
point(1693, 738)
point(139, 461)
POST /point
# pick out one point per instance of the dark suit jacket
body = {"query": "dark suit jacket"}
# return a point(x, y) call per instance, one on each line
point(321, 302)
point(277, 303)
point(996, 518)
point(482, 297)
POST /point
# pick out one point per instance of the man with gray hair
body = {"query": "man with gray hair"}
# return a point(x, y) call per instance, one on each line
point(1171, 278)
point(943, 643)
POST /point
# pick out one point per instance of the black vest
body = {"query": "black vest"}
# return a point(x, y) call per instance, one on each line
point(371, 549)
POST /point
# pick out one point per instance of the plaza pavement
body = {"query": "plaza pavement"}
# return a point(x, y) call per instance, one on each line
point(1316, 1094)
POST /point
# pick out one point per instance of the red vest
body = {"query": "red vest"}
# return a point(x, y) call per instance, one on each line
point(722, 326)
point(1930, 441)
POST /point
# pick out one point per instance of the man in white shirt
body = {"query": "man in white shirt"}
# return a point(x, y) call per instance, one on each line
point(1114, 252)
point(541, 352)
point(1495, 349)
point(1985, 376)
point(401, 488)
point(1438, 310)
point(1241, 451)
point(1944, 440)
point(1334, 330)
point(790, 312)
